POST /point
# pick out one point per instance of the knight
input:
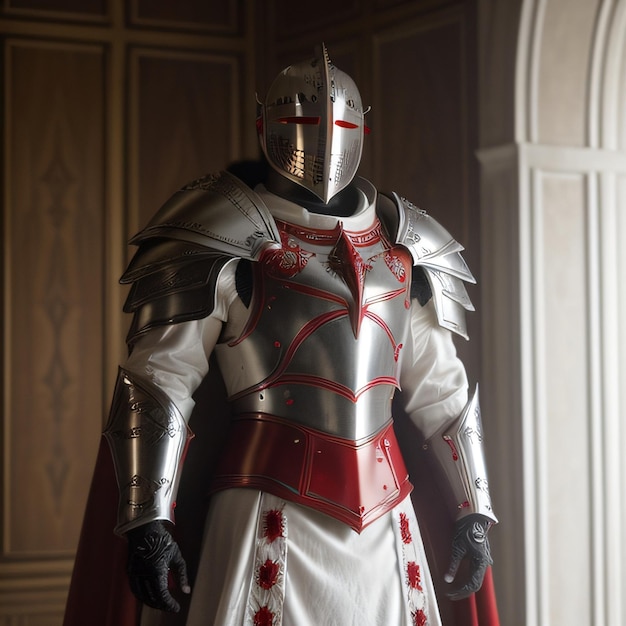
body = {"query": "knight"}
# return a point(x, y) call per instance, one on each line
point(320, 298)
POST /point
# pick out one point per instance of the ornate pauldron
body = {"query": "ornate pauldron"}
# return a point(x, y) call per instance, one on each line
point(148, 437)
point(436, 252)
point(184, 248)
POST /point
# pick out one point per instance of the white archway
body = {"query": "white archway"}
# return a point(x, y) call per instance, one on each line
point(553, 181)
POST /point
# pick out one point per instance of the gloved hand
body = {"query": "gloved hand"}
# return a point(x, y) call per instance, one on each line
point(470, 540)
point(152, 552)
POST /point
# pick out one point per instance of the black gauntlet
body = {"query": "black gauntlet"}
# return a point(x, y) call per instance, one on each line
point(470, 541)
point(152, 553)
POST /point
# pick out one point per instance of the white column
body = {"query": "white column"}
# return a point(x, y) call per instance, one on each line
point(553, 282)
point(553, 270)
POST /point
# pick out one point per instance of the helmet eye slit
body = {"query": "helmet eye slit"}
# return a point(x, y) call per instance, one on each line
point(312, 127)
point(300, 119)
point(345, 124)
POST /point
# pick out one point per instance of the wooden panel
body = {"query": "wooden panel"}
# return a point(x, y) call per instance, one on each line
point(420, 5)
point(53, 229)
point(85, 9)
point(223, 16)
point(294, 18)
point(420, 118)
point(423, 138)
point(184, 123)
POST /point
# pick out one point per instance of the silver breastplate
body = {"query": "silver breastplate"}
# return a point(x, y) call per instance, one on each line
point(326, 326)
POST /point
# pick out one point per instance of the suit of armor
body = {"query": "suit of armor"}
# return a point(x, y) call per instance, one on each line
point(319, 297)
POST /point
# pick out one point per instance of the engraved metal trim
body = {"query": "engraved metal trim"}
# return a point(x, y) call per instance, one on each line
point(173, 296)
point(458, 449)
point(219, 212)
point(147, 436)
point(433, 248)
point(182, 251)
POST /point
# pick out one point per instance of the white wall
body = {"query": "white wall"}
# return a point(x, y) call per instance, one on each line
point(553, 270)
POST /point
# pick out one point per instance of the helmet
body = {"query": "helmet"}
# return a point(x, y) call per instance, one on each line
point(312, 126)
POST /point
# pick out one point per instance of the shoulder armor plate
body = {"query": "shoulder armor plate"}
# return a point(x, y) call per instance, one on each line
point(437, 253)
point(217, 211)
point(183, 249)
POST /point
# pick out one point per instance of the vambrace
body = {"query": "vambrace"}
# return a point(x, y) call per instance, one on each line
point(458, 450)
point(148, 438)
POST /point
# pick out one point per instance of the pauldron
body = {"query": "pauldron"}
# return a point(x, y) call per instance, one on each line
point(184, 248)
point(458, 450)
point(435, 252)
point(148, 437)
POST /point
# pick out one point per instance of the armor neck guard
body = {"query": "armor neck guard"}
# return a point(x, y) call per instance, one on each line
point(359, 215)
point(341, 205)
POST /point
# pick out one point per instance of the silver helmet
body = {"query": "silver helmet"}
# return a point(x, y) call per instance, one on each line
point(312, 126)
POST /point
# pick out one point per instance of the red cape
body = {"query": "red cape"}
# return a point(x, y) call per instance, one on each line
point(99, 587)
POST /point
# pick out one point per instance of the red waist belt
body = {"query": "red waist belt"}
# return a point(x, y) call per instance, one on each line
point(355, 482)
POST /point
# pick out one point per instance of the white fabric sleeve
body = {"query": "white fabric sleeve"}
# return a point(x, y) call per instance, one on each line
point(176, 357)
point(432, 377)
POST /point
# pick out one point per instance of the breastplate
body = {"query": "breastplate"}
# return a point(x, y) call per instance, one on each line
point(312, 375)
point(328, 319)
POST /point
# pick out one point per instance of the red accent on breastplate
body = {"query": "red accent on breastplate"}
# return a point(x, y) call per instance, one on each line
point(354, 482)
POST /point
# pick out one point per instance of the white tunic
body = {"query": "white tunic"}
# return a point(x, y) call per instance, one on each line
point(267, 561)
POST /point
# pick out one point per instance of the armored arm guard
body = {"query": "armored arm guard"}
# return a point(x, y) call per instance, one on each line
point(435, 253)
point(458, 451)
point(148, 437)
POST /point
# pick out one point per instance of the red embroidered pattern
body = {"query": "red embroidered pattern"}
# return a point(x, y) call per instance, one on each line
point(394, 263)
point(414, 575)
point(450, 442)
point(268, 574)
point(290, 260)
point(264, 617)
point(310, 235)
point(404, 529)
point(419, 618)
point(273, 525)
point(367, 237)
point(346, 261)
